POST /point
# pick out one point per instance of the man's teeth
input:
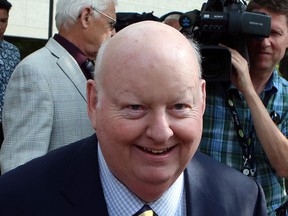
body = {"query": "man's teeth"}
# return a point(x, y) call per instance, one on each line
point(154, 151)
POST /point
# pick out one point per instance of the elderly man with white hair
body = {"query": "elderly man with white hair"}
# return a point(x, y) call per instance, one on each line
point(45, 102)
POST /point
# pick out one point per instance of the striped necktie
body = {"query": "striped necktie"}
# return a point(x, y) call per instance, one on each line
point(89, 68)
point(145, 211)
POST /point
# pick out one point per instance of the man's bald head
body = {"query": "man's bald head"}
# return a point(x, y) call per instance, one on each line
point(147, 42)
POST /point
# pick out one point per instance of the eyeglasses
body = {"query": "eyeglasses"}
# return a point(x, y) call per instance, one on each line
point(113, 21)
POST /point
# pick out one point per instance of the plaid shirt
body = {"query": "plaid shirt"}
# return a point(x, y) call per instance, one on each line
point(9, 58)
point(220, 141)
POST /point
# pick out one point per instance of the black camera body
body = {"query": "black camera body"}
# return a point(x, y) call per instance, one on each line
point(226, 22)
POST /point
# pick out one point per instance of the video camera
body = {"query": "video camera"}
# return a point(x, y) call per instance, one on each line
point(226, 22)
point(127, 18)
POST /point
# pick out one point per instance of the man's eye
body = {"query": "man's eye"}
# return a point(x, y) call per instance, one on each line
point(180, 106)
point(4, 20)
point(276, 33)
point(112, 25)
point(181, 110)
point(135, 107)
point(134, 111)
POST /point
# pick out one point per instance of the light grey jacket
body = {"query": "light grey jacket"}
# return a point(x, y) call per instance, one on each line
point(45, 106)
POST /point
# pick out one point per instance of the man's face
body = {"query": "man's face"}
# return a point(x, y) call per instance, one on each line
point(266, 53)
point(99, 30)
point(3, 22)
point(174, 23)
point(149, 118)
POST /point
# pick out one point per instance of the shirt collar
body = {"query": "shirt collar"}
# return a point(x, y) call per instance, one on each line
point(273, 83)
point(74, 51)
point(271, 86)
point(120, 199)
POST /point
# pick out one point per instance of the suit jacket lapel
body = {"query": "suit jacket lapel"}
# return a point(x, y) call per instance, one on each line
point(197, 191)
point(69, 66)
point(87, 196)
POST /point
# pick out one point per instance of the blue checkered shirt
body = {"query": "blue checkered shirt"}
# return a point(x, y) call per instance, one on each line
point(122, 202)
point(220, 141)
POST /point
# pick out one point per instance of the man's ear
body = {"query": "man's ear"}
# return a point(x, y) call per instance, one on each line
point(203, 94)
point(92, 101)
point(85, 16)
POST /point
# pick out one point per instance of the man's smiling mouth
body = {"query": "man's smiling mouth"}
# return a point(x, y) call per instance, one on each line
point(154, 151)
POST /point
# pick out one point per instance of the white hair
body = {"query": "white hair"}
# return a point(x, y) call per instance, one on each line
point(196, 50)
point(67, 11)
point(98, 72)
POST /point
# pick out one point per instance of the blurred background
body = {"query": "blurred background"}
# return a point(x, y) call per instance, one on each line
point(31, 22)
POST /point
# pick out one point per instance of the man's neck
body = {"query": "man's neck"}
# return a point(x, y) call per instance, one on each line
point(259, 79)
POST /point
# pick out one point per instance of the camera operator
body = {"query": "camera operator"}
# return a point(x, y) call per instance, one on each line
point(246, 119)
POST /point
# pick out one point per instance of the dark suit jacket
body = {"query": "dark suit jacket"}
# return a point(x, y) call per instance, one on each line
point(66, 182)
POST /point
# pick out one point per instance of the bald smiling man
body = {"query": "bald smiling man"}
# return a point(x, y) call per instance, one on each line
point(146, 106)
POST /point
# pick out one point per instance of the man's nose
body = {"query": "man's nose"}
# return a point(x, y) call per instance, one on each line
point(159, 128)
point(113, 32)
point(265, 42)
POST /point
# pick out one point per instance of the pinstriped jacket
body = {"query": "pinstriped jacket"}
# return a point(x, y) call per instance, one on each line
point(45, 106)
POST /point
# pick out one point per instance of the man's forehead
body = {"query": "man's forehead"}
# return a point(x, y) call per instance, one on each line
point(3, 14)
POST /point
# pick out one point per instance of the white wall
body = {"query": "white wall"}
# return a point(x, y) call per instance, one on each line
point(160, 7)
point(29, 18)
